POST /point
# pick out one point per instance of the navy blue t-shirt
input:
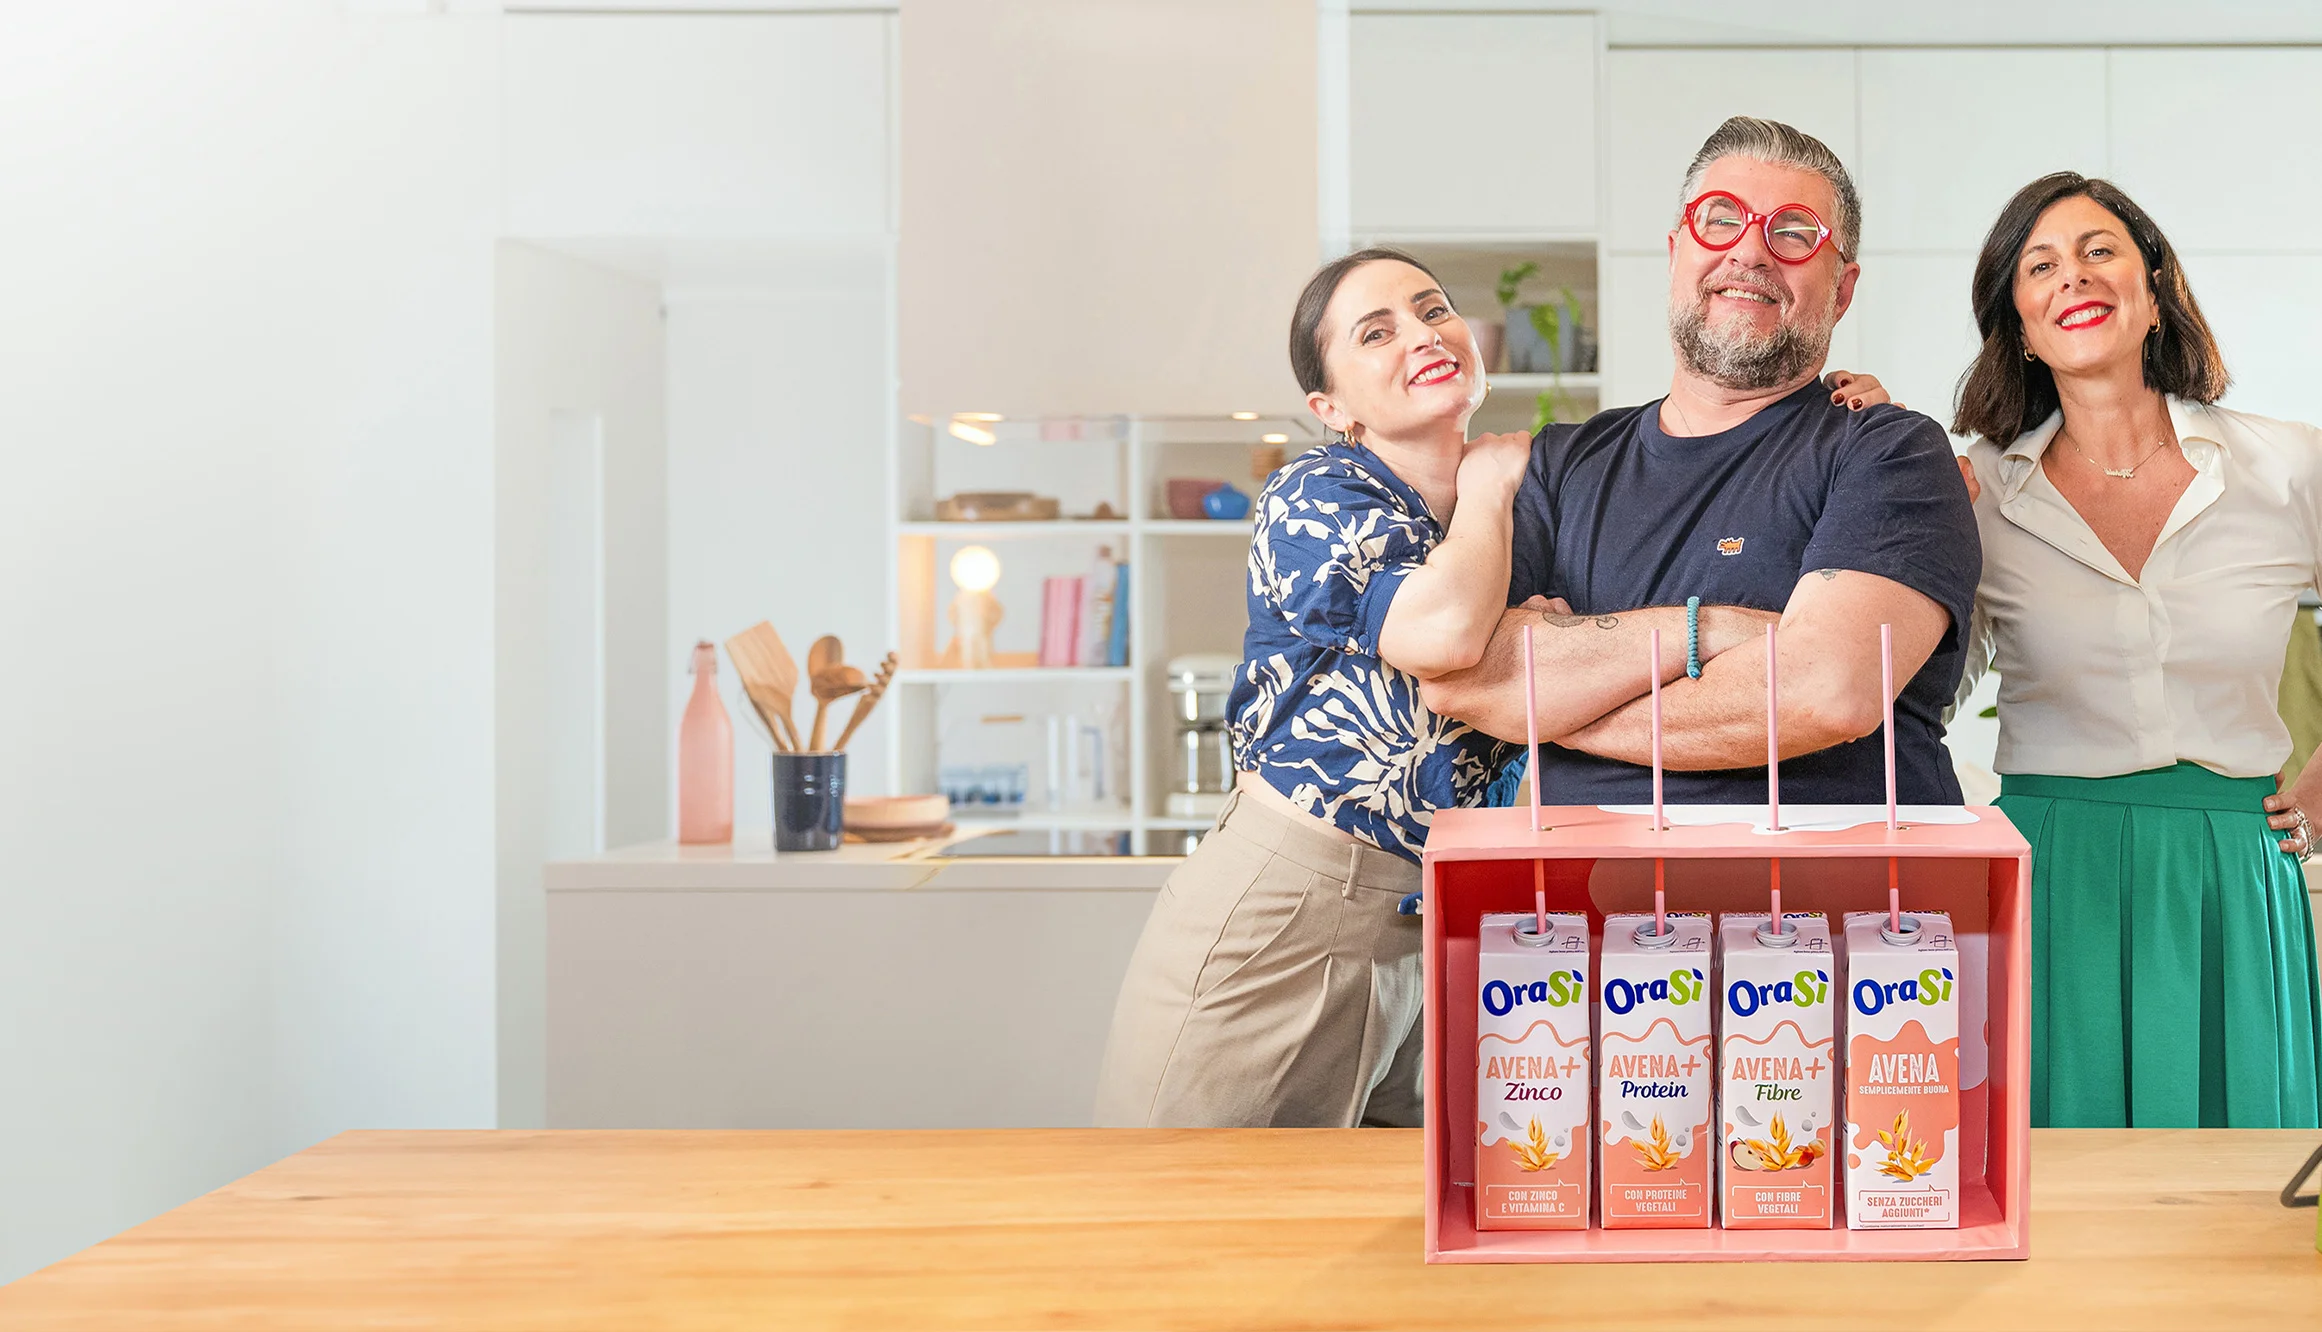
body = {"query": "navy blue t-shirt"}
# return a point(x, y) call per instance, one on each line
point(1615, 515)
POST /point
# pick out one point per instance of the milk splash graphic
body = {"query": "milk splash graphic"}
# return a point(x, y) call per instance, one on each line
point(1532, 1073)
point(1654, 1087)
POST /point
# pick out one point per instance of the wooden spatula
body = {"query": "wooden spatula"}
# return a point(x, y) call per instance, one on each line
point(869, 700)
point(769, 677)
point(831, 684)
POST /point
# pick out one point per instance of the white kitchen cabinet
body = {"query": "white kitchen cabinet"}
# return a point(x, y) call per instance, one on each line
point(1661, 104)
point(1914, 328)
point(700, 125)
point(1473, 124)
point(1634, 302)
point(1949, 136)
point(2223, 148)
point(735, 988)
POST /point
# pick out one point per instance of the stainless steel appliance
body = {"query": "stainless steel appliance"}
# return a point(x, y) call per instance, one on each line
point(1203, 761)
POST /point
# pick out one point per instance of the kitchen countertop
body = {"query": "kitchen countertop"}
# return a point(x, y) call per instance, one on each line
point(1230, 1228)
point(751, 864)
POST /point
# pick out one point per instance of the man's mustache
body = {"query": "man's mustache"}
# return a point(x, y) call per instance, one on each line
point(1752, 283)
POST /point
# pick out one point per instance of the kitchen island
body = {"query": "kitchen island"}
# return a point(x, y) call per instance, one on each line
point(880, 986)
point(1132, 1228)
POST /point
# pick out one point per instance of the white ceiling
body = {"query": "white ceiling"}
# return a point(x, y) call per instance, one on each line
point(1948, 23)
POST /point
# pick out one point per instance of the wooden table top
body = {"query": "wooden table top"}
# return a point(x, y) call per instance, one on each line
point(1123, 1229)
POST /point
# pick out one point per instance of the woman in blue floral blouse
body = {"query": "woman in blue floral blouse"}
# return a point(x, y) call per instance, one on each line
point(1276, 983)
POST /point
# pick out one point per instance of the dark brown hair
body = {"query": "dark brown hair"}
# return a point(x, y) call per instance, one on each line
point(1306, 320)
point(2003, 395)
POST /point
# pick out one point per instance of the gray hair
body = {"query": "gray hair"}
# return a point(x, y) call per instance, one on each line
point(1782, 145)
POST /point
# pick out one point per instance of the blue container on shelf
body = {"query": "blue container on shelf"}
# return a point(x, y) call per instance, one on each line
point(1225, 502)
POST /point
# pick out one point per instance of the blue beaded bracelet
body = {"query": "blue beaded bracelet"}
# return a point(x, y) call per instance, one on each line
point(1693, 637)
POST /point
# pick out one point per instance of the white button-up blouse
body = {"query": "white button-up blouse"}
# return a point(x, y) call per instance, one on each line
point(2103, 674)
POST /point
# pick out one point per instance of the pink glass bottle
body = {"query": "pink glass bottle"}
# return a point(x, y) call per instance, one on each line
point(705, 758)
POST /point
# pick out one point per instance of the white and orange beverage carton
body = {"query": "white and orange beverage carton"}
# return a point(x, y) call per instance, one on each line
point(1777, 1070)
point(1902, 1072)
point(1533, 1073)
point(1655, 1138)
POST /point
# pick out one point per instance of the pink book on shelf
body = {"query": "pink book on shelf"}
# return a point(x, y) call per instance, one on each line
point(1060, 621)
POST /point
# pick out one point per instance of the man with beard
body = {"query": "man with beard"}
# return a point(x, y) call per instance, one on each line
point(1748, 489)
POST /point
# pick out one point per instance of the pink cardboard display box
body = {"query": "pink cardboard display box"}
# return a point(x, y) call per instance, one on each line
point(1834, 860)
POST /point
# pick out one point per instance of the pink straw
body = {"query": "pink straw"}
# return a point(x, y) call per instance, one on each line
point(1887, 692)
point(1777, 922)
point(1532, 765)
point(1654, 674)
point(1540, 895)
point(1660, 899)
point(1773, 742)
point(1894, 896)
point(1532, 739)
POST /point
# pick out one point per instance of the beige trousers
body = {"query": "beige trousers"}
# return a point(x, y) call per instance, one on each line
point(1274, 985)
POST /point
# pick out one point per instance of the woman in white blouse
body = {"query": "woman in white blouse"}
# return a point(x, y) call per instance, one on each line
point(2143, 554)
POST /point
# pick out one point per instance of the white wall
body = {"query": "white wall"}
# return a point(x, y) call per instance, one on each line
point(245, 603)
point(780, 404)
point(581, 735)
point(247, 564)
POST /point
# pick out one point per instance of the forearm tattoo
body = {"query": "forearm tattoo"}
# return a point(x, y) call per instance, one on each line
point(1575, 621)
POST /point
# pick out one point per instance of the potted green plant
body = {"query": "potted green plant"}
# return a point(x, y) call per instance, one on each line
point(1550, 339)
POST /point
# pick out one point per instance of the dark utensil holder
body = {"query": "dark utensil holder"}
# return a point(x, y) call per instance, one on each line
point(809, 801)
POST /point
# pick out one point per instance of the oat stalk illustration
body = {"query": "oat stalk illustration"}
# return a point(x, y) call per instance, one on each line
point(1658, 1154)
point(1907, 1157)
point(1776, 1152)
point(1534, 1155)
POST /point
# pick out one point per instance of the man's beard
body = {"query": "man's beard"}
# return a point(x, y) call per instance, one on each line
point(1732, 355)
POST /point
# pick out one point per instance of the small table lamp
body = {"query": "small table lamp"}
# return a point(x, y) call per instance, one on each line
point(974, 612)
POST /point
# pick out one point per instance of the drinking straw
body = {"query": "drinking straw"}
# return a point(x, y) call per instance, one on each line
point(1532, 769)
point(1660, 899)
point(1531, 728)
point(1894, 896)
point(1776, 923)
point(1540, 896)
point(1773, 742)
point(1887, 693)
point(1653, 673)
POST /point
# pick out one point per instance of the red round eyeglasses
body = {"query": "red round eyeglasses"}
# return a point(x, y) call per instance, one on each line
point(1793, 232)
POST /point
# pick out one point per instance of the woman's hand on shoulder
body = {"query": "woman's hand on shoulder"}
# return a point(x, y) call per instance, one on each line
point(1855, 391)
point(1495, 462)
point(1967, 474)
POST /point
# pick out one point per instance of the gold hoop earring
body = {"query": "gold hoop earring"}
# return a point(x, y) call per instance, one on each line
point(2028, 355)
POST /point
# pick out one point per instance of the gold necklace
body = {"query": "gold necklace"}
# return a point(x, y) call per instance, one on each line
point(2127, 473)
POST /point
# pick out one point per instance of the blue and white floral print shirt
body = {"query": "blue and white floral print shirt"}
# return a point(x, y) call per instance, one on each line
point(1314, 711)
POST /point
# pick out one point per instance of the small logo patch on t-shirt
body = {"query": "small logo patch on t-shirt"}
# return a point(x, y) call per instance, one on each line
point(1729, 545)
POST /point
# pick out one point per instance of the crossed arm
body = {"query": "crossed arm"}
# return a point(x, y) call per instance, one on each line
point(1585, 665)
point(1592, 700)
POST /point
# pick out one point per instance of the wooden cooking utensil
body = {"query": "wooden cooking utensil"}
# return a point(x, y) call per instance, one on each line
point(769, 676)
point(869, 700)
point(831, 684)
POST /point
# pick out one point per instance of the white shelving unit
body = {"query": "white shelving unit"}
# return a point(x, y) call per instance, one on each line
point(1186, 594)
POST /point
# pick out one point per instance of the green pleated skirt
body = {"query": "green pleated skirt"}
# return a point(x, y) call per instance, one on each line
point(2173, 979)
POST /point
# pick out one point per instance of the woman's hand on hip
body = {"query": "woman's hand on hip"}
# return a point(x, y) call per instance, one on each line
point(2284, 816)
